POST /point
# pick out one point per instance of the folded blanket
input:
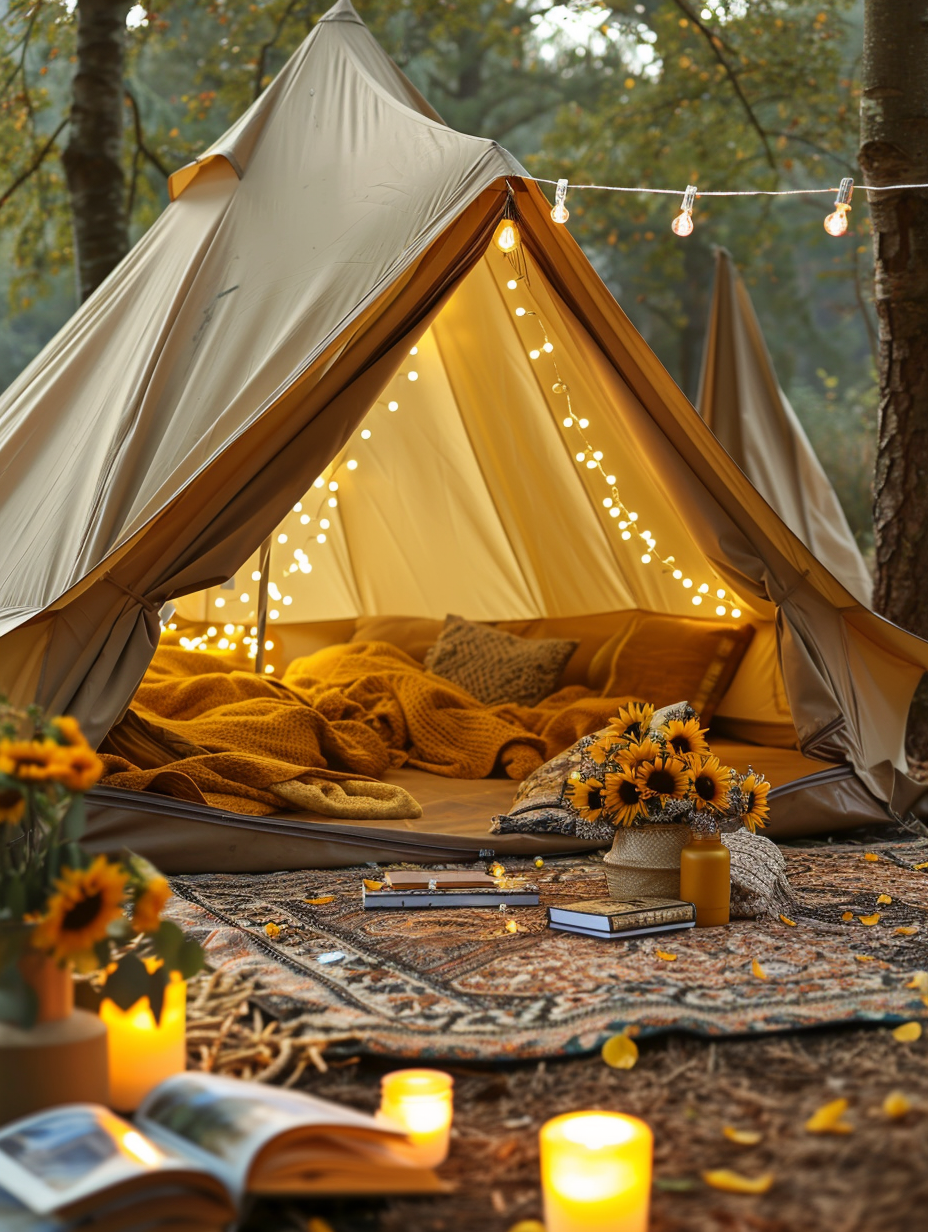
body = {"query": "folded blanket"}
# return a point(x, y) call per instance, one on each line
point(201, 728)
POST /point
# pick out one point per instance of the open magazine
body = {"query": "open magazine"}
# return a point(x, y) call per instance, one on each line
point(199, 1145)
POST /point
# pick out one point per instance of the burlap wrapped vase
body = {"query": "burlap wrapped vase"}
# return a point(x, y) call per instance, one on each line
point(644, 861)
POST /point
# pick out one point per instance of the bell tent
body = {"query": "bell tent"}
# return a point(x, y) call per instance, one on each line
point(318, 381)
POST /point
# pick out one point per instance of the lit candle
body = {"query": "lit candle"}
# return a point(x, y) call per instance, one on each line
point(596, 1172)
point(420, 1102)
point(143, 1052)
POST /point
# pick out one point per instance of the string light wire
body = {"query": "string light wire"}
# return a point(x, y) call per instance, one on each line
point(726, 192)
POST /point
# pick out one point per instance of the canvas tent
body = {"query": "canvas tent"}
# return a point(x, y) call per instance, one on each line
point(245, 344)
point(742, 402)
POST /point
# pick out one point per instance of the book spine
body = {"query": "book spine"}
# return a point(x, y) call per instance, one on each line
point(644, 919)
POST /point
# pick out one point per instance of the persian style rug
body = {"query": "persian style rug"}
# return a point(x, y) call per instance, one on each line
point(457, 984)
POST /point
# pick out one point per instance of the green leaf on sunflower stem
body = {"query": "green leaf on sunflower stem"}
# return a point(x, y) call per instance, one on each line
point(19, 1004)
point(157, 983)
point(167, 941)
point(14, 940)
point(14, 896)
point(190, 959)
point(128, 982)
point(74, 821)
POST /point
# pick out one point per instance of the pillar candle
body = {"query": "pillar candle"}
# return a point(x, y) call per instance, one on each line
point(596, 1172)
point(142, 1052)
point(420, 1102)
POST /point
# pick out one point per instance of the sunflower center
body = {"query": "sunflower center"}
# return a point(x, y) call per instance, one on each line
point(82, 913)
point(633, 731)
point(705, 787)
point(750, 808)
point(662, 782)
point(9, 799)
point(628, 792)
point(594, 800)
point(24, 762)
point(681, 744)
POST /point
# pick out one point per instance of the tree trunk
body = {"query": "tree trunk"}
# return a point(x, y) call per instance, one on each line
point(93, 157)
point(894, 150)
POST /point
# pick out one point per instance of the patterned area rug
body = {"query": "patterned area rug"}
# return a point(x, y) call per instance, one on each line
point(455, 984)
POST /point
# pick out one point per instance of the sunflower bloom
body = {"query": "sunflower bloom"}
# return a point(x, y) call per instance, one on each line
point(602, 749)
point(586, 796)
point(637, 752)
point(685, 736)
point(69, 731)
point(623, 798)
point(32, 761)
point(146, 914)
point(754, 790)
point(85, 903)
point(711, 783)
point(12, 808)
point(664, 778)
point(80, 768)
point(632, 721)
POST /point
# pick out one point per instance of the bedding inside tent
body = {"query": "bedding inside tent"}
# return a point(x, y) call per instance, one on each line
point(240, 352)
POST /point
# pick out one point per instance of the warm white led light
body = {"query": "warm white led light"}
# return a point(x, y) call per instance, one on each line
point(626, 534)
point(720, 610)
point(223, 643)
point(598, 455)
point(228, 628)
point(298, 507)
point(512, 284)
point(351, 464)
point(720, 594)
point(607, 502)
point(273, 613)
point(320, 538)
point(393, 406)
point(610, 479)
point(736, 612)
point(412, 375)
point(324, 523)
point(697, 599)
point(210, 632)
point(704, 589)
point(365, 434)
point(678, 573)
point(520, 312)
point(304, 567)
point(614, 513)
point(568, 422)
point(333, 486)
point(591, 465)
point(534, 354)
point(305, 519)
point(256, 575)
point(220, 602)
point(548, 347)
point(646, 559)
point(319, 483)
point(687, 582)
point(287, 600)
point(584, 423)
point(332, 502)
point(244, 596)
point(580, 456)
point(281, 538)
point(414, 351)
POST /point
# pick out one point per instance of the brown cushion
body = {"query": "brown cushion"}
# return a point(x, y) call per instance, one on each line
point(659, 658)
point(591, 632)
point(498, 667)
point(413, 634)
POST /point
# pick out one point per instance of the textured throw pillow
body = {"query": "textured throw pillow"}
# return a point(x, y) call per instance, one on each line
point(415, 635)
point(498, 667)
point(660, 656)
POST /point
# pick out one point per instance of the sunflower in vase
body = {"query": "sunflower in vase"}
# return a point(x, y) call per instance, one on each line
point(59, 902)
point(655, 768)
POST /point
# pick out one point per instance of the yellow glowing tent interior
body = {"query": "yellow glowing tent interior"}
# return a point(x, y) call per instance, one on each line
point(243, 349)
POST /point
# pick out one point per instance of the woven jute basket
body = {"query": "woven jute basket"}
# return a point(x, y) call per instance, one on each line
point(645, 861)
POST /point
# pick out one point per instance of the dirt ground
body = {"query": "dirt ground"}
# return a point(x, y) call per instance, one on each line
point(873, 1179)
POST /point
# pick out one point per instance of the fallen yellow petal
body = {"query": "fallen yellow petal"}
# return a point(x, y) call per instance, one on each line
point(539, 863)
point(666, 955)
point(919, 981)
point(884, 899)
point(496, 870)
point(758, 970)
point(908, 1032)
point(372, 885)
point(847, 915)
point(895, 1105)
point(871, 856)
point(787, 920)
point(827, 1119)
point(620, 1052)
point(272, 929)
point(734, 1182)
point(318, 902)
point(920, 866)
point(870, 919)
point(906, 930)
point(744, 1137)
point(865, 958)
point(511, 926)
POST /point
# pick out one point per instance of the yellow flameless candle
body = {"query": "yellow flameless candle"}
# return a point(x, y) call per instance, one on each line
point(143, 1052)
point(596, 1172)
point(420, 1101)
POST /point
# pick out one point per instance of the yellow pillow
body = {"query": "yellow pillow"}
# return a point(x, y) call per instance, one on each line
point(662, 659)
point(415, 635)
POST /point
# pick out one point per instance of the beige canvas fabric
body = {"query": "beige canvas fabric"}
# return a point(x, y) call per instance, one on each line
point(267, 319)
point(742, 402)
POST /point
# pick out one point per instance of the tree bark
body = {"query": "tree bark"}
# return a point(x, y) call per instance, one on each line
point(93, 156)
point(894, 150)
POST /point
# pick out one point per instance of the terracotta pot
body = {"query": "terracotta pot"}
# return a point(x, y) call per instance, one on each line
point(645, 861)
point(51, 983)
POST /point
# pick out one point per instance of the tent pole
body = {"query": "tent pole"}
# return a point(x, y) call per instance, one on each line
point(264, 566)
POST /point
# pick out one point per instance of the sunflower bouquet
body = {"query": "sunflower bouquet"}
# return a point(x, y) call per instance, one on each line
point(58, 900)
point(656, 768)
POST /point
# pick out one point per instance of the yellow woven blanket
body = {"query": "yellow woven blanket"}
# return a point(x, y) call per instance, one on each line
point(202, 729)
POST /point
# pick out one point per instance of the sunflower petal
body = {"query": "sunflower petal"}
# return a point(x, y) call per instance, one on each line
point(896, 1105)
point(905, 930)
point(920, 866)
point(919, 981)
point(744, 1137)
point(864, 958)
point(666, 955)
point(871, 856)
point(320, 901)
point(734, 1182)
point(786, 920)
point(620, 1052)
point(372, 885)
point(870, 920)
point(272, 930)
point(884, 899)
point(758, 970)
point(847, 915)
point(908, 1032)
point(827, 1119)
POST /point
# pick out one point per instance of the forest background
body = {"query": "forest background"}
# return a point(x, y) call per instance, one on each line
point(723, 94)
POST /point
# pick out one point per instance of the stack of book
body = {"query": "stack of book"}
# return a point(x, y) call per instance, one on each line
point(411, 888)
point(612, 920)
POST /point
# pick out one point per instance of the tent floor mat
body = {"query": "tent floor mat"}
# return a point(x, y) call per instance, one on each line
point(456, 985)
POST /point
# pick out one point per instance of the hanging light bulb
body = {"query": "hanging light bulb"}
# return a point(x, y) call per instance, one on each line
point(506, 236)
point(836, 223)
point(682, 225)
point(560, 213)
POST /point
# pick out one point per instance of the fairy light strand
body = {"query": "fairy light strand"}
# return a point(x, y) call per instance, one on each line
point(723, 192)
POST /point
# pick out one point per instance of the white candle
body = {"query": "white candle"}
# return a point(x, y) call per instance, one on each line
point(143, 1052)
point(596, 1172)
point(420, 1102)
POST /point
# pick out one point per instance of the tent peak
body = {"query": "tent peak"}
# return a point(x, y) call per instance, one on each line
point(342, 10)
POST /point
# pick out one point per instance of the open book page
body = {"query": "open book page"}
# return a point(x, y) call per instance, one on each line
point(227, 1124)
point(65, 1159)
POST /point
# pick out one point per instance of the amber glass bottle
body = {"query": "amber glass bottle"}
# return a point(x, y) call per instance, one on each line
point(705, 878)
